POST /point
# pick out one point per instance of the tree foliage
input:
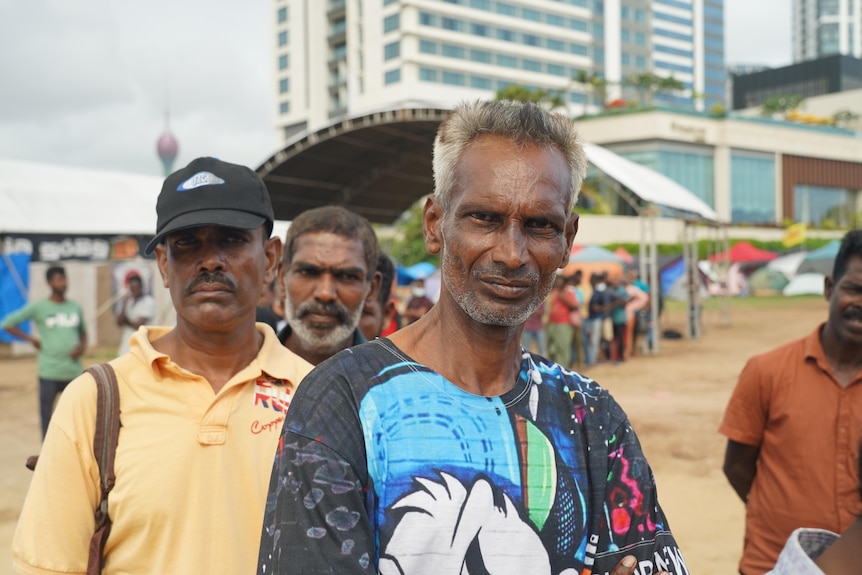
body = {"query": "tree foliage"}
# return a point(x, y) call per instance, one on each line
point(648, 84)
point(780, 104)
point(409, 247)
point(520, 93)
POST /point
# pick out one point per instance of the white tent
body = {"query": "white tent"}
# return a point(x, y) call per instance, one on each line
point(787, 264)
point(805, 284)
point(50, 199)
point(648, 184)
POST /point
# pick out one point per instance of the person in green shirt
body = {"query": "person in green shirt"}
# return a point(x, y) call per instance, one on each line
point(62, 337)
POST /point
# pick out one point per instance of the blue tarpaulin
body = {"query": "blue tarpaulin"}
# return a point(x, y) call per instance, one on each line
point(408, 275)
point(14, 287)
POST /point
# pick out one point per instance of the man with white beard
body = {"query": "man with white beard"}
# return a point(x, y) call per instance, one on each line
point(329, 271)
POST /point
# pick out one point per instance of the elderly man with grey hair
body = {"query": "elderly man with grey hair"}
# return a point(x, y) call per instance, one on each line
point(447, 447)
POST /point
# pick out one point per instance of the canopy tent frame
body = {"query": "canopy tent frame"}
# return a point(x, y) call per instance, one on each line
point(648, 261)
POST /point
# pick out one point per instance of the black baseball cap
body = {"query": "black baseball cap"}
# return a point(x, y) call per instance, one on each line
point(210, 192)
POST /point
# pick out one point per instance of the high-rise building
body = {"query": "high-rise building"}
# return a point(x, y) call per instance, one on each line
point(336, 57)
point(825, 27)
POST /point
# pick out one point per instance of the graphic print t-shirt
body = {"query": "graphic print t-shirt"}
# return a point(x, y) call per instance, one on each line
point(60, 325)
point(385, 466)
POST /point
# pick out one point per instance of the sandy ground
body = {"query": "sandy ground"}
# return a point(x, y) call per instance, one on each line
point(675, 401)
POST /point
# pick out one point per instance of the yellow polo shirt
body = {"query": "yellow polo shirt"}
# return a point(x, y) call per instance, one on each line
point(192, 467)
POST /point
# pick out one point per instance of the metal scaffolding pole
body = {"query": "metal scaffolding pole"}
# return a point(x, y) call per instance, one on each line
point(655, 287)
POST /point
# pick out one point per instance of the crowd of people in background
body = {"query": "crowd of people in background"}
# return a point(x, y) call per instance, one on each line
point(609, 322)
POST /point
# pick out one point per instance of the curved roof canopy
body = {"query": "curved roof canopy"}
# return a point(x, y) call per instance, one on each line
point(378, 164)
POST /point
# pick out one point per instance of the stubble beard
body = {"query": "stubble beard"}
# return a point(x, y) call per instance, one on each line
point(483, 312)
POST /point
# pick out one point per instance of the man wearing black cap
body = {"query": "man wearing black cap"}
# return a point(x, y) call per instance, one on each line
point(201, 403)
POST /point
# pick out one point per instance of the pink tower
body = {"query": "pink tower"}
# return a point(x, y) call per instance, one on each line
point(167, 147)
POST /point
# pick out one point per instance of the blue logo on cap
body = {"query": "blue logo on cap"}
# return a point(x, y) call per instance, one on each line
point(199, 180)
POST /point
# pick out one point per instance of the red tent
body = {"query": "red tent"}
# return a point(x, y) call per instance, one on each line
point(627, 257)
point(744, 252)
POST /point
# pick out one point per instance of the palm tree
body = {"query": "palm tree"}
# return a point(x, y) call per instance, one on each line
point(593, 84)
point(648, 84)
point(520, 93)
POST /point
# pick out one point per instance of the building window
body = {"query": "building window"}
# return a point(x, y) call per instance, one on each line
point(640, 39)
point(579, 25)
point(531, 65)
point(454, 78)
point(480, 82)
point(506, 9)
point(392, 76)
point(626, 59)
point(282, 14)
point(673, 67)
point(391, 23)
point(481, 4)
point(556, 70)
point(579, 49)
point(480, 56)
point(555, 20)
point(452, 24)
point(427, 75)
point(427, 47)
point(554, 44)
point(392, 50)
point(823, 207)
point(752, 189)
point(282, 38)
point(532, 40)
point(625, 36)
point(507, 61)
point(426, 19)
point(283, 62)
point(690, 170)
point(531, 15)
point(479, 30)
point(284, 108)
point(505, 35)
point(388, 2)
point(283, 86)
point(452, 51)
point(640, 62)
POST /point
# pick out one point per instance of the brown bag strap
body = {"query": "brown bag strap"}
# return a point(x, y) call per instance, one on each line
point(105, 449)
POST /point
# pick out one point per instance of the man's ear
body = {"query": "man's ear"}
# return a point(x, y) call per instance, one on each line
point(432, 218)
point(282, 283)
point(828, 286)
point(272, 249)
point(571, 232)
point(162, 262)
point(374, 285)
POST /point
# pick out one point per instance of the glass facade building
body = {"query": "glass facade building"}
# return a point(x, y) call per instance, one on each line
point(826, 27)
point(351, 55)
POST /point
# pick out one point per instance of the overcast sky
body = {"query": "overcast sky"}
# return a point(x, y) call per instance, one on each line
point(87, 82)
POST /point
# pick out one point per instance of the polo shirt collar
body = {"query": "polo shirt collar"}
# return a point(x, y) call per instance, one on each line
point(273, 358)
point(813, 348)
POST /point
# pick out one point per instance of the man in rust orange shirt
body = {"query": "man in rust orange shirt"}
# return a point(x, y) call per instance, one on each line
point(794, 425)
